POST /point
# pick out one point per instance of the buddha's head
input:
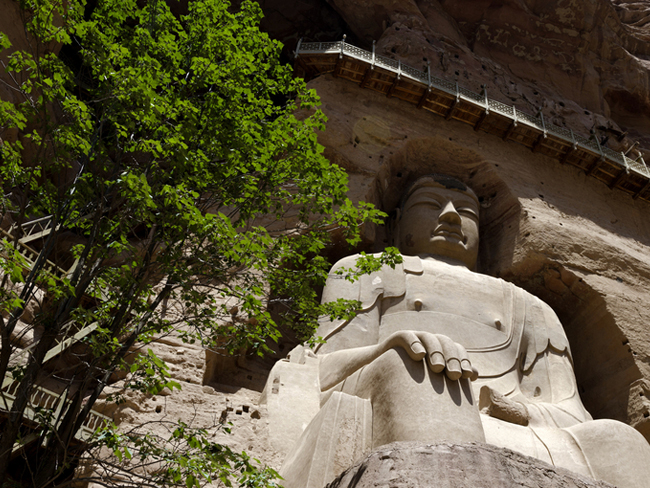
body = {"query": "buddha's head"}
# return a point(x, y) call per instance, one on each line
point(438, 217)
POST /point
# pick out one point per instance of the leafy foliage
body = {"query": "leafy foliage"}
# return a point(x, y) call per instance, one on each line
point(167, 153)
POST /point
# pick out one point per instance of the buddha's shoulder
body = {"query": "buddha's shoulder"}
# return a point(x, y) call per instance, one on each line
point(415, 265)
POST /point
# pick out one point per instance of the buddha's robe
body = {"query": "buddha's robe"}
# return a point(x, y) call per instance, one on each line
point(512, 338)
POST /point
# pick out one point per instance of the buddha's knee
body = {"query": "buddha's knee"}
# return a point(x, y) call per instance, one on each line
point(615, 452)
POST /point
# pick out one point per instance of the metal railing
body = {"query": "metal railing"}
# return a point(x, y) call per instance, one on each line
point(29, 255)
point(42, 399)
point(35, 229)
point(43, 403)
point(590, 144)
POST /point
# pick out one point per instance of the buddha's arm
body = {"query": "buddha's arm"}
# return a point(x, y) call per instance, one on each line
point(547, 394)
point(542, 386)
point(441, 352)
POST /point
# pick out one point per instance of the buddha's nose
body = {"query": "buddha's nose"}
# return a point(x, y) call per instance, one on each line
point(449, 214)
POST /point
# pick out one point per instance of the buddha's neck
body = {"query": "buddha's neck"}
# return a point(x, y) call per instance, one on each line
point(430, 258)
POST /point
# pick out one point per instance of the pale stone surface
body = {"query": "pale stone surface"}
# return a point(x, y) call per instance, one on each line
point(340, 433)
point(420, 465)
point(408, 353)
point(209, 407)
point(291, 389)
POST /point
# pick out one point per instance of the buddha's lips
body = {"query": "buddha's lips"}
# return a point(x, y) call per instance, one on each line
point(446, 231)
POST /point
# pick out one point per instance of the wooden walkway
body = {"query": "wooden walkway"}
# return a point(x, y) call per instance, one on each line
point(452, 101)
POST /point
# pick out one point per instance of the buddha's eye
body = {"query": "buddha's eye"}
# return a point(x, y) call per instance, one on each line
point(429, 204)
point(467, 211)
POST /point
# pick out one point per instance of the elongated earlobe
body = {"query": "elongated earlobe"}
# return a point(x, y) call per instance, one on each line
point(395, 228)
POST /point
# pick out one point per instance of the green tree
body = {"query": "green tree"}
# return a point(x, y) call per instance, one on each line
point(163, 158)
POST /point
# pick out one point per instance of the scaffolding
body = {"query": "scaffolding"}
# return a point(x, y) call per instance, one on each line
point(452, 101)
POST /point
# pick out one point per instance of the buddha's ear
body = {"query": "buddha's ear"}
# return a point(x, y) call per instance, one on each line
point(394, 228)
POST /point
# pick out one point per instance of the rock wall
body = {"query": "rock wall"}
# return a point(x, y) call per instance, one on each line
point(416, 465)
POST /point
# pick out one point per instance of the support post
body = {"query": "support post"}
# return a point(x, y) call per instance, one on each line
point(544, 133)
point(424, 96)
point(454, 105)
point(621, 176)
point(595, 166)
point(513, 124)
point(391, 90)
point(296, 53)
point(642, 190)
point(568, 154)
point(339, 60)
point(484, 115)
point(368, 74)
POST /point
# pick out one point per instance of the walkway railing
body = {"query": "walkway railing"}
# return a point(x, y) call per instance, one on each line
point(45, 402)
point(30, 255)
point(35, 229)
point(365, 67)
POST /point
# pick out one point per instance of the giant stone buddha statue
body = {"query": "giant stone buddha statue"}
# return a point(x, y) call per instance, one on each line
point(439, 352)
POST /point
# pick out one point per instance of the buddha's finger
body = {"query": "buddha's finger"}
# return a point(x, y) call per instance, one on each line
point(412, 344)
point(452, 357)
point(435, 357)
point(474, 375)
point(468, 371)
point(465, 363)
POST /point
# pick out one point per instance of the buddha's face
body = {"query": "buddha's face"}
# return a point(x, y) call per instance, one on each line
point(442, 222)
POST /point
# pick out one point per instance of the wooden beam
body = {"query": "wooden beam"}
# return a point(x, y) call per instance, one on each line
point(568, 154)
point(538, 142)
point(594, 166)
point(393, 86)
point(423, 98)
point(338, 68)
point(366, 76)
point(452, 108)
point(304, 66)
point(621, 176)
point(511, 129)
point(642, 190)
point(480, 120)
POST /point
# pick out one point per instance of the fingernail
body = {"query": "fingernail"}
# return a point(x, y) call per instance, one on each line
point(466, 366)
point(437, 362)
point(453, 369)
point(418, 348)
point(474, 376)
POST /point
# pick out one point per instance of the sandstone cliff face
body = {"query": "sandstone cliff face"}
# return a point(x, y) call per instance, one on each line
point(584, 63)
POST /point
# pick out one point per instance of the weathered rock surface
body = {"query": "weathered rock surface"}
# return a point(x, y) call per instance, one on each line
point(418, 465)
point(584, 63)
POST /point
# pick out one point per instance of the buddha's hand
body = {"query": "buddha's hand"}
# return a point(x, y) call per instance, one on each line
point(496, 405)
point(442, 354)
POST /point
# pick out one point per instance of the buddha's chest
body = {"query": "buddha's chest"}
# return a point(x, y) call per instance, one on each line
point(446, 290)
